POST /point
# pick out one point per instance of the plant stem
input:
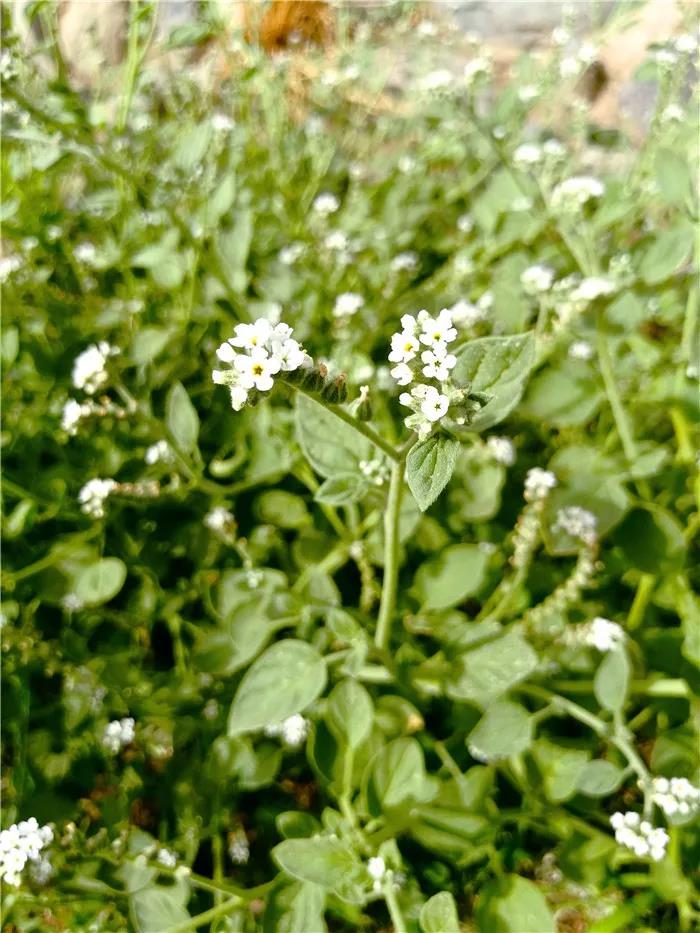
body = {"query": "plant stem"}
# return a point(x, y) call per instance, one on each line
point(217, 911)
point(618, 410)
point(645, 588)
point(355, 423)
point(387, 605)
point(393, 906)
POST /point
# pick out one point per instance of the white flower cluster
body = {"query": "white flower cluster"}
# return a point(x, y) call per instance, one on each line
point(22, 843)
point(238, 848)
point(676, 797)
point(90, 367)
point(93, 495)
point(591, 288)
point(347, 304)
point(160, 452)
point(325, 204)
point(376, 471)
point(166, 858)
point(602, 634)
point(537, 279)
point(404, 262)
point(580, 350)
point(467, 314)
point(118, 734)
point(539, 483)
point(288, 255)
point(502, 449)
point(219, 520)
point(267, 350)
point(571, 194)
point(429, 336)
point(634, 833)
point(74, 412)
point(377, 870)
point(292, 731)
point(577, 523)
point(9, 265)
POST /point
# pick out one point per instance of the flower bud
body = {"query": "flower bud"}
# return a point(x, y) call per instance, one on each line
point(335, 391)
point(361, 407)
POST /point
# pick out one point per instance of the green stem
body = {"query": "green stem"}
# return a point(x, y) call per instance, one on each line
point(387, 604)
point(355, 423)
point(393, 906)
point(134, 57)
point(645, 588)
point(219, 910)
point(619, 414)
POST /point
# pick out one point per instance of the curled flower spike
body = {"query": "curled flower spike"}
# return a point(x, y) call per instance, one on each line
point(676, 796)
point(90, 367)
point(577, 523)
point(257, 353)
point(634, 833)
point(539, 483)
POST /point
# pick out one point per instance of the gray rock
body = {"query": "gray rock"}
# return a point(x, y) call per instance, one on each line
point(526, 22)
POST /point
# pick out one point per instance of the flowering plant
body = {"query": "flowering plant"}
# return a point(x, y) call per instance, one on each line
point(350, 497)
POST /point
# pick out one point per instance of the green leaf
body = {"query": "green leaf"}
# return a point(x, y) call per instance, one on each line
point(514, 905)
point(667, 253)
point(233, 247)
point(689, 612)
point(429, 466)
point(192, 145)
point(486, 673)
point(100, 582)
point(505, 729)
point(157, 909)
point(599, 778)
point(223, 651)
point(148, 343)
point(560, 767)
point(330, 445)
point(475, 494)
point(285, 680)
point(396, 776)
point(439, 914)
point(446, 580)
point(611, 683)
point(652, 540)
point(327, 862)
point(221, 200)
point(341, 489)
point(295, 908)
point(181, 418)
point(350, 712)
point(283, 509)
point(499, 366)
point(561, 398)
point(674, 177)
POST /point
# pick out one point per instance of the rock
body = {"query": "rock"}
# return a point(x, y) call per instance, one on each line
point(526, 23)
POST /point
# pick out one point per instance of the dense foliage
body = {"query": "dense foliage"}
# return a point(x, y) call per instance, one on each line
point(294, 667)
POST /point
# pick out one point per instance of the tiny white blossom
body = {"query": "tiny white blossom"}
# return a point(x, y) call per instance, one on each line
point(293, 730)
point(160, 452)
point(527, 154)
point(222, 122)
point(238, 848)
point(672, 114)
point(90, 367)
point(377, 870)
point(256, 370)
point(118, 734)
point(8, 265)
point(465, 223)
point(591, 288)
point(406, 164)
point(326, 203)
point(85, 252)
point(502, 449)
point(437, 330)
point(403, 374)
point(20, 844)
point(437, 80)
point(686, 44)
point(528, 93)
point(72, 413)
point(577, 523)
point(404, 262)
point(573, 193)
point(347, 304)
point(219, 519)
point(166, 858)
point(466, 314)
point(404, 347)
point(539, 483)
point(288, 255)
point(603, 635)
point(434, 405)
point(580, 350)
point(93, 494)
point(676, 797)
point(336, 241)
point(438, 363)
point(476, 68)
point(639, 835)
point(537, 279)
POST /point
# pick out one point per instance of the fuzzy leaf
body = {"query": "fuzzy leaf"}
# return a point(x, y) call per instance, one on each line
point(429, 466)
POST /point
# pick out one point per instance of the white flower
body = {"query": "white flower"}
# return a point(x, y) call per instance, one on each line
point(537, 279)
point(293, 730)
point(672, 114)
point(377, 870)
point(336, 241)
point(256, 370)
point(219, 519)
point(465, 223)
point(70, 418)
point(118, 734)
point(438, 330)
point(502, 449)
point(85, 252)
point(527, 154)
point(560, 35)
point(347, 304)
point(437, 80)
point(403, 374)
point(665, 57)
point(90, 367)
point(404, 347)
point(326, 203)
point(222, 123)
point(677, 797)
point(476, 68)
point(639, 835)
point(603, 635)
point(93, 494)
point(238, 848)
point(573, 193)
point(288, 255)
point(577, 523)
point(167, 858)
point(406, 164)
point(553, 149)
point(22, 843)
point(404, 262)
point(591, 288)
point(434, 405)
point(528, 93)
point(686, 44)
point(160, 452)
point(291, 356)
point(438, 363)
point(8, 265)
point(375, 470)
point(466, 314)
point(580, 350)
point(249, 336)
point(539, 483)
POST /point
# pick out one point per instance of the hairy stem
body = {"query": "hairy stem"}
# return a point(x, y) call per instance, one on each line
point(393, 907)
point(387, 604)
